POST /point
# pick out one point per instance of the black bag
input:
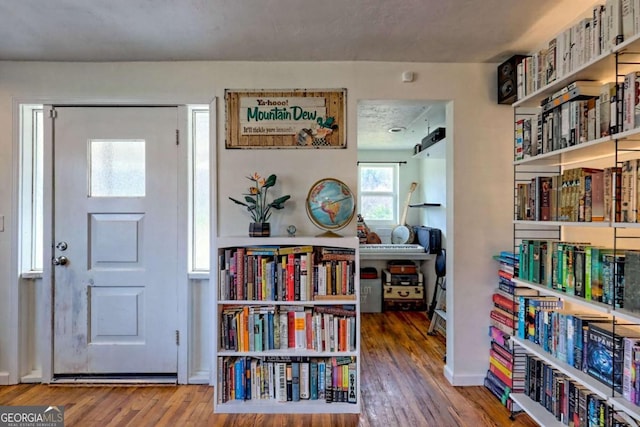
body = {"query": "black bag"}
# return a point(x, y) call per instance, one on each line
point(430, 238)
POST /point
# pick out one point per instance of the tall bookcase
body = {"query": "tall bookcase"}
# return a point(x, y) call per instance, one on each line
point(610, 64)
point(305, 289)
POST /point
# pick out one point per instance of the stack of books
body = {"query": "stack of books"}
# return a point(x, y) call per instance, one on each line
point(507, 361)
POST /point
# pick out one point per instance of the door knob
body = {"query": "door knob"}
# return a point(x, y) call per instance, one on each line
point(61, 260)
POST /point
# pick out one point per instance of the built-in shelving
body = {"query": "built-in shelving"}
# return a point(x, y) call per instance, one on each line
point(609, 151)
point(436, 151)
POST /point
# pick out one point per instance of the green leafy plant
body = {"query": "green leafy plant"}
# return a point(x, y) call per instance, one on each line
point(256, 199)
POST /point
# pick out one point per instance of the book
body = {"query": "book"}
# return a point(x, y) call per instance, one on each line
point(286, 250)
point(305, 380)
point(352, 396)
point(597, 196)
point(313, 379)
point(289, 379)
point(631, 296)
point(605, 352)
point(629, 99)
point(628, 388)
point(517, 290)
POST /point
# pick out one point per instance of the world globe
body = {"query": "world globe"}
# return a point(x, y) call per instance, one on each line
point(330, 204)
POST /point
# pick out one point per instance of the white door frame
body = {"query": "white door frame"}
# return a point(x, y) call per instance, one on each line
point(45, 303)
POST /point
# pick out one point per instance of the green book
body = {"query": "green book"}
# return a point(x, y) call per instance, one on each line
point(587, 272)
point(568, 269)
point(524, 260)
point(561, 267)
point(534, 261)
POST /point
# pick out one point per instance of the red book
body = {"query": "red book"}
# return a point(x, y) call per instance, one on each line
point(504, 302)
point(502, 318)
point(345, 280)
point(504, 274)
point(291, 277)
point(502, 352)
point(309, 328)
point(505, 379)
point(342, 334)
point(498, 357)
point(240, 254)
point(291, 324)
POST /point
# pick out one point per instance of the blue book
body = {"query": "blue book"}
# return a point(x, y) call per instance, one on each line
point(295, 381)
point(313, 379)
point(239, 372)
point(321, 380)
point(270, 330)
point(257, 335)
point(570, 340)
point(247, 388)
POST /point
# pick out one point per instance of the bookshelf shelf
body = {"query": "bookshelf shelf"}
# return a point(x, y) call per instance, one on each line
point(594, 224)
point(580, 377)
point(626, 316)
point(290, 334)
point(289, 352)
point(535, 410)
point(625, 406)
point(436, 151)
point(593, 305)
point(597, 148)
point(271, 407)
point(288, 303)
point(425, 205)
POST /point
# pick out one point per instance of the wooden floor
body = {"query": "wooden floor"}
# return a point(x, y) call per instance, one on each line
point(402, 385)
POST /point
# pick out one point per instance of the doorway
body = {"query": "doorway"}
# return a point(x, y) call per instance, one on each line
point(115, 241)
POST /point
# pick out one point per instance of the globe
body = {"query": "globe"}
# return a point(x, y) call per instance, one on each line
point(330, 204)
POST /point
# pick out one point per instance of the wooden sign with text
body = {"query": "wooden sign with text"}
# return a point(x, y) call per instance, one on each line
point(296, 118)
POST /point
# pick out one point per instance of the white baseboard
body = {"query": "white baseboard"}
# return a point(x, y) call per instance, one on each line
point(4, 378)
point(199, 377)
point(463, 380)
point(32, 378)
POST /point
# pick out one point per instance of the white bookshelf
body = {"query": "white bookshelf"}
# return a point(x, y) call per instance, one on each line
point(609, 66)
point(222, 402)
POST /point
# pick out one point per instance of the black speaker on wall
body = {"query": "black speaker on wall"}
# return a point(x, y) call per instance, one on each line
point(507, 80)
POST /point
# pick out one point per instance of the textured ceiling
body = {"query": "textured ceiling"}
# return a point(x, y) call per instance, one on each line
point(278, 30)
point(289, 30)
point(415, 119)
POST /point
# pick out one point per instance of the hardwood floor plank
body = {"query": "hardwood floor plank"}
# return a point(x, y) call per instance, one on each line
point(402, 385)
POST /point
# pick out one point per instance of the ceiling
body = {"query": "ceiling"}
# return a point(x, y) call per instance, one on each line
point(397, 124)
point(285, 30)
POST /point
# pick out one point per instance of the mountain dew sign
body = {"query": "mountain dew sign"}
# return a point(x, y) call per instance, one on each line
point(280, 116)
point(295, 119)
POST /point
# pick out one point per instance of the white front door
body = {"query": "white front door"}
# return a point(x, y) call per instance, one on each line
point(115, 240)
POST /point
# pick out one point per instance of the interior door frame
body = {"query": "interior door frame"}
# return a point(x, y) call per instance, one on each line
point(46, 326)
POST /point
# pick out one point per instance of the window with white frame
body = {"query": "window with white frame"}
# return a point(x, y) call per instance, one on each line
point(31, 121)
point(378, 192)
point(199, 191)
point(31, 187)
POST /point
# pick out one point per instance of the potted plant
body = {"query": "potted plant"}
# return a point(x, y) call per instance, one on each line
point(259, 208)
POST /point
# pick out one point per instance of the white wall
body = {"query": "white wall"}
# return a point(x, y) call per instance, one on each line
point(478, 181)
